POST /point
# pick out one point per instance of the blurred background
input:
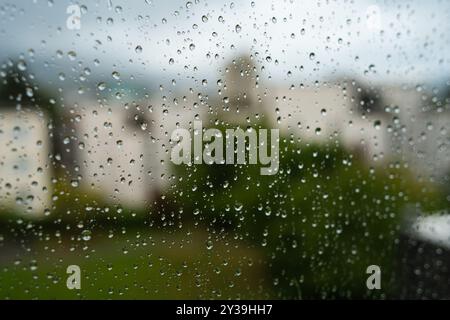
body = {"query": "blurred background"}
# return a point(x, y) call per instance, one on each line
point(90, 93)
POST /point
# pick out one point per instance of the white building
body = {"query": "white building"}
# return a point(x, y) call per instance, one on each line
point(123, 151)
point(25, 173)
point(419, 132)
point(326, 114)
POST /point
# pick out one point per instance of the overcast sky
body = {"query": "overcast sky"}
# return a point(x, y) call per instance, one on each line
point(404, 41)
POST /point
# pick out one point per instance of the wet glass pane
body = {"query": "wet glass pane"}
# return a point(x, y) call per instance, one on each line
point(224, 150)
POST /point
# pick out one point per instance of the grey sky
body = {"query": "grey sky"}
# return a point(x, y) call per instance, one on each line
point(294, 41)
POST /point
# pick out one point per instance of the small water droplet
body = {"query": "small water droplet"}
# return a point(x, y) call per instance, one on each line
point(101, 86)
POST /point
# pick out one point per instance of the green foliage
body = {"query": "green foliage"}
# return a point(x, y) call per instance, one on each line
point(322, 220)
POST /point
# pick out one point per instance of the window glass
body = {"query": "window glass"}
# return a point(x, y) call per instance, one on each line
point(220, 150)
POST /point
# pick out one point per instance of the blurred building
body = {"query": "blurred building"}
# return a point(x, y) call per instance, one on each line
point(419, 130)
point(111, 155)
point(123, 150)
point(319, 114)
point(25, 174)
point(326, 115)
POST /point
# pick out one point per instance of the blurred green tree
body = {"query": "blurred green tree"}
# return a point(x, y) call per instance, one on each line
point(322, 220)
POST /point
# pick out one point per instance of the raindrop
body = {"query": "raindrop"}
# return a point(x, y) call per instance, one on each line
point(101, 86)
point(116, 75)
point(86, 235)
point(22, 65)
point(72, 55)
